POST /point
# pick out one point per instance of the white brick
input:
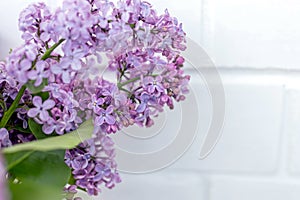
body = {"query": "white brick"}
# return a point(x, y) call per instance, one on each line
point(253, 33)
point(253, 189)
point(251, 135)
point(292, 129)
point(162, 185)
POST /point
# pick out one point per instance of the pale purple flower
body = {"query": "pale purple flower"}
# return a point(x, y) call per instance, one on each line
point(46, 31)
point(51, 125)
point(95, 103)
point(4, 138)
point(40, 73)
point(153, 85)
point(105, 116)
point(41, 109)
point(64, 70)
point(72, 59)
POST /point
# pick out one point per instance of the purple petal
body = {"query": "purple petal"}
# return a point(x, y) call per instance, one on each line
point(99, 120)
point(37, 101)
point(40, 66)
point(66, 77)
point(110, 119)
point(3, 133)
point(48, 129)
point(48, 104)
point(33, 112)
point(32, 75)
point(109, 109)
point(44, 115)
point(25, 64)
point(56, 69)
point(22, 77)
point(141, 107)
point(38, 81)
point(45, 36)
point(76, 65)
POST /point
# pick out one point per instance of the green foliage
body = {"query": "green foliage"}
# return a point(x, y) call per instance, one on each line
point(43, 95)
point(38, 89)
point(41, 175)
point(37, 169)
point(34, 191)
point(67, 141)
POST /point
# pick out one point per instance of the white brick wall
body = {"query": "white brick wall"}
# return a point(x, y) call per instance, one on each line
point(252, 33)
point(257, 157)
point(256, 43)
point(252, 130)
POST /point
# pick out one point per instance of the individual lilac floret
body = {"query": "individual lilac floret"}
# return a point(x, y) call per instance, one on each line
point(41, 109)
point(95, 103)
point(105, 116)
point(4, 138)
point(41, 72)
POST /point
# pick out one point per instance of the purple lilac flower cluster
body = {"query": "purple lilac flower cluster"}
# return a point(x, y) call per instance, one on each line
point(15, 131)
point(59, 56)
point(93, 164)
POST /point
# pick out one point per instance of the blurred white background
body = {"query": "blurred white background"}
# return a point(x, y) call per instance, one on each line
point(256, 46)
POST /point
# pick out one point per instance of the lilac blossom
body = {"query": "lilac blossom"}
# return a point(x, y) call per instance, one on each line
point(4, 138)
point(40, 73)
point(41, 109)
point(105, 116)
point(93, 164)
point(95, 103)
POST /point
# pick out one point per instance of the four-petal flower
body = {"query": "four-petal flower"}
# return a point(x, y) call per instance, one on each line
point(41, 109)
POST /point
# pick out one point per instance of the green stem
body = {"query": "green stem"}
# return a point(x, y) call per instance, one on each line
point(120, 85)
point(12, 108)
point(125, 90)
point(47, 54)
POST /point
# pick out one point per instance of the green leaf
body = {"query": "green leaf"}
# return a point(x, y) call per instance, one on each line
point(18, 127)
point(67, 141)
point(36, 129)
point(14, 159)
point(43, 167)
point(39, 172)
point(34, 89)
point(32, 191)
